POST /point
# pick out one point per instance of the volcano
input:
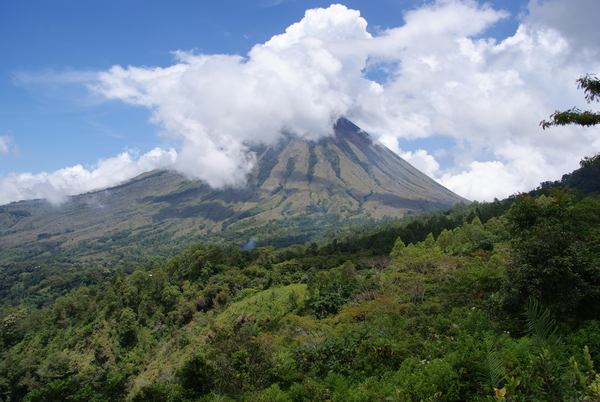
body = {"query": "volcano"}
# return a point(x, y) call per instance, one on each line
point(297, 189)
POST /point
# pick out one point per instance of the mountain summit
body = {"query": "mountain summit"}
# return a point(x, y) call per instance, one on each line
point(347, 173)
point(296, 189)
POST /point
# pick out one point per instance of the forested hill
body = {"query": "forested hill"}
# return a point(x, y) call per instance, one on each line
point(493, 301)
point(585, 180)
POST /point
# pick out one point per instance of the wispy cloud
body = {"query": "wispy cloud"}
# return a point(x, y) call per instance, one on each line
point(5, 141)
point(59, 89)
point(273, 3)
point(50, 77)
point(8, 147)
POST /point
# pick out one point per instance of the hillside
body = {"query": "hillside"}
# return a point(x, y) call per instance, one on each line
point(496, 303)
point(297, 190)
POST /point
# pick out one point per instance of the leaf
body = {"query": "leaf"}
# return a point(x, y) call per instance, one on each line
point(495, 364)
point(541, 325)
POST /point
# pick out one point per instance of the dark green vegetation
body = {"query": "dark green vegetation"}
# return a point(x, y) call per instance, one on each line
point(297, 190)
point(486, 302)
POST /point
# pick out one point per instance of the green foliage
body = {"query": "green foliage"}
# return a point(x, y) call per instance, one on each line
point(573, 116)
point(591, 86)
point(398, 249)
point(541, 325)
point(62, 390)
point(370, 316)
point(197, 376)
point(358, 352)
point(552, 261)
point(241, 361)
point(312, 160)
point(268, 161)
point(495, 365)
point(334, 161)
point(587, 334)
point(289, 169)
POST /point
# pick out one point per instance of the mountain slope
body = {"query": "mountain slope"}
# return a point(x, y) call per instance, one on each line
point(296, 189)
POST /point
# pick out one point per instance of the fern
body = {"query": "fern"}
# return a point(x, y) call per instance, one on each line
point(541, 325)
point(495, 364)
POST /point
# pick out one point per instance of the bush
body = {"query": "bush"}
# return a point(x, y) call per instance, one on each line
point(196, 376)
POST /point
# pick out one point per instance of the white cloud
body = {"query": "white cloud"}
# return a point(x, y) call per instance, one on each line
point(301, 81)
point(488, 96)
point(76, 180)
point(423, 161)
point(469, 181)
point(577, 21)
point(52, 78)
point(445, 78)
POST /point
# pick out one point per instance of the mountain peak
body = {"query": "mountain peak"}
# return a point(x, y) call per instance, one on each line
point(296, 185)
point(351, 169)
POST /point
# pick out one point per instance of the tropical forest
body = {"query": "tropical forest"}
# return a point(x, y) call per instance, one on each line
point(495, 301)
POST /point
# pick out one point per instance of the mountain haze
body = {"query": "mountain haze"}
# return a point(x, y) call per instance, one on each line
point(297, 188)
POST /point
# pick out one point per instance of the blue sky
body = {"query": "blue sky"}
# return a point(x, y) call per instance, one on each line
point(68, 123)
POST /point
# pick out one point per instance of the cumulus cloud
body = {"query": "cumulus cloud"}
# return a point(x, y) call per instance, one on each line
point(423, 161)
point(76, 180)
point(488, 96)
point(443, 78)
point(577, 21)
point(301, 81)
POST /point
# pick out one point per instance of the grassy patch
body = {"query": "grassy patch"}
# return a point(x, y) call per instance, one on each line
point(268, 305)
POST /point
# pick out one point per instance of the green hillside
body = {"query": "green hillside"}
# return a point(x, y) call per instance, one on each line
point(495, 301)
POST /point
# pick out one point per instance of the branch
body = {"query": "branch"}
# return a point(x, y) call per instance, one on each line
point(591, 86)
point(588, 161)
point(573, 116)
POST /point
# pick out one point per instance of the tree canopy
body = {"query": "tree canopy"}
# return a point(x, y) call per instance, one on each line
point(480, 302)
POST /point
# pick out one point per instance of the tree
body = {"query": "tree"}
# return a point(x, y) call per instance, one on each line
point(196, 376)
point(591, 86)
point(551, 257)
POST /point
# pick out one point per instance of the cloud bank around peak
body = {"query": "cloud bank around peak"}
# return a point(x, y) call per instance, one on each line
point(301, 82)
point(439, 75)
point(444, 78)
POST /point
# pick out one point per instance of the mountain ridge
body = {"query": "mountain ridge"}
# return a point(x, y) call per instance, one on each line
point(296, 186)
